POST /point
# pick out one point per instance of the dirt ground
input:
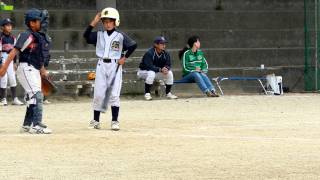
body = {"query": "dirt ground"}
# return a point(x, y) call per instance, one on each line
point(232, 137)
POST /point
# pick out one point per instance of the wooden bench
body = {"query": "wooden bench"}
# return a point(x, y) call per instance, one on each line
point(75, 88)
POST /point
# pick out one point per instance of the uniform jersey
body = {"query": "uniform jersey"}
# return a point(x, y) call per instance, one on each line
point(110, 46)
point(153, 61)
point(30, 45)
point(7, 42)
point(191, 60)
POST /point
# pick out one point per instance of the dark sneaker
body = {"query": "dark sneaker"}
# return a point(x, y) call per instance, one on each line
point(209, 94)
point(214, 94)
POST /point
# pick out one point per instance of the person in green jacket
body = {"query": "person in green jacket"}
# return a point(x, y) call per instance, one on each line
point(195, 67)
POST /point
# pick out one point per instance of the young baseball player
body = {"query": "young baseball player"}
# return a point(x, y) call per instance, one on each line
point(7, 41)
point(110, 45)
point(29, 47)
point(156, 64)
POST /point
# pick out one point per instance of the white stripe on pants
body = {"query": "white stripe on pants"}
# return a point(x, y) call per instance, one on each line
point(105, 72)
point(30, 79)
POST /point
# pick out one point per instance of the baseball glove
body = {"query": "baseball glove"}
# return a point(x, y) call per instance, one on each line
point(91, 76)
point(47, 86)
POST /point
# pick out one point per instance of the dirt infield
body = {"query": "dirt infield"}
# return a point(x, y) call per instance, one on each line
point(233, 137)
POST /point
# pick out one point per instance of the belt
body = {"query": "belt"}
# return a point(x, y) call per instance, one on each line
point(108, 60)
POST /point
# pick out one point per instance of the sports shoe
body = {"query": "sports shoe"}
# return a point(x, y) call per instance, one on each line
point(171, 96)
point(214, 94)
point(16, 101)
point(94, 124)
point(24, 129)
point(115, 125)
point(147, 96)
point(39, 130)
point(42, 125)
point(4, 102)
point(209, 94)
point(46, 102)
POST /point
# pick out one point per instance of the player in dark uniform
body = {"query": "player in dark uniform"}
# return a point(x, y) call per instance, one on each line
point(7, 40)
point(31, 67)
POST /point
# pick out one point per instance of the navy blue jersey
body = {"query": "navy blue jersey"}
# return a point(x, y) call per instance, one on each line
point(7, 42)
point(153, 61)
point(30, 45)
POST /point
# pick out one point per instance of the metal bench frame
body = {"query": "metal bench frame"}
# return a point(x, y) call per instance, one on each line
point(218, 81)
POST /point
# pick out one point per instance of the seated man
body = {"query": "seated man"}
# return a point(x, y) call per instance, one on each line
point(156, 64)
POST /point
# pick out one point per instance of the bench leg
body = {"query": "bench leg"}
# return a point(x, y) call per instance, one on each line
point(219, 87)
point(264, 89)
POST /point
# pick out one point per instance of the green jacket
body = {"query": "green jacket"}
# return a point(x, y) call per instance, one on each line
point(192, 60)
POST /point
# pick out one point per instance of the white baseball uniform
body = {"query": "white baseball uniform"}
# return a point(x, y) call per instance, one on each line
point(109, 49)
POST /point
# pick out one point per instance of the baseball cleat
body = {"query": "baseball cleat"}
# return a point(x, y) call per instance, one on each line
point(171, 96)
point(147, 96)
point(39, 130)
point(42, 125)
point(16, 101)
point(94, 124)
point(24, 129)
point(115, 125)
point(4, 102)
point(46, 102)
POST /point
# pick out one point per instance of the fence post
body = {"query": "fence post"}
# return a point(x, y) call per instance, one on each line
point(316, 45)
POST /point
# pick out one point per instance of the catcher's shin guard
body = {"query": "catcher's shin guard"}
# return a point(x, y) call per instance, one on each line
point(34, 109)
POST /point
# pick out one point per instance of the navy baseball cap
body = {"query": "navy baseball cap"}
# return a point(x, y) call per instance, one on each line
point(6, 21)
point(31, 15)
point(160, 40)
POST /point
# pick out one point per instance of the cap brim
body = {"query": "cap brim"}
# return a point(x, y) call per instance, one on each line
point(160, 42)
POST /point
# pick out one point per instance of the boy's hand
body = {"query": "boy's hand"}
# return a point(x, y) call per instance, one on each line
point(122, 61)
point(96, 20)
point(43, 72)
point(164, 70)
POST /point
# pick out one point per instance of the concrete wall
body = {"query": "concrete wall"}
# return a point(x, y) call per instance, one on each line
point(239, 36)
